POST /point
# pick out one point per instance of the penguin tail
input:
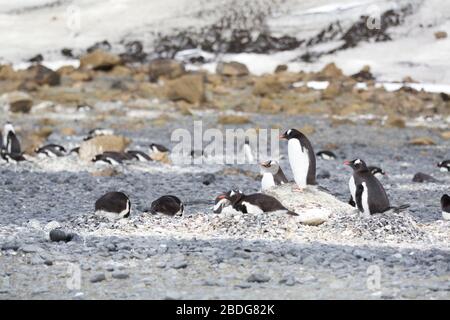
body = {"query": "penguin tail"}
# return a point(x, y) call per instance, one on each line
point(292, 213)
point(401, 208)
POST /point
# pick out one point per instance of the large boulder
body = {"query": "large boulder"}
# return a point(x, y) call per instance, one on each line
point(267, 85)
point(313, 204)
point(41, 75)
point(232, 69)
point(330, 72)
point(99, 60)
point(165, 68)
point(7, 72)
point(100, 144)
point(18, 101)
point(190, 88)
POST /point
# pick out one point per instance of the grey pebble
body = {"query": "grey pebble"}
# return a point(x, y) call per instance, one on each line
point(258, 277)
point(120, 275)
point(98, 278)
point(179, 264)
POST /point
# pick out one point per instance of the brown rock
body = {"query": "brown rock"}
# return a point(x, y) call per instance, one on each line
point(81, 75)
point(99, 60)
point(68, 131)
point(397, 122)
point(100, 144)
point(107, 172)
point(440, 35)
point(281, 68)
point(42, 75)
point(65, 70)
point(190, 87)
point(7, 73)
point(121, 71)
point(332, 91)
point(422, 141)
point(364, 74)
point(232, 69)
point(330, 72)
point(165, 68)
point(269, 106)
point(445, 135)
point(267, 85)
point(233, 119)
point(18, 101)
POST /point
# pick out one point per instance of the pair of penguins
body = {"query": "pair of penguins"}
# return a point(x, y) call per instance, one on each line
point(367, 193)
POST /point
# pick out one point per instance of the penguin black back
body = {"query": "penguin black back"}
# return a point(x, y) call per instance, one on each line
point(168, 204)
point(115, 203)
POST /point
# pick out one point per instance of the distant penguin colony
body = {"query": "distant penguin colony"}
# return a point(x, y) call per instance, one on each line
point(367, 194)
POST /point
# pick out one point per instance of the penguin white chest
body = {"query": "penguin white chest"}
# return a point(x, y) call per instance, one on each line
point(248, 153)
point(299, 161)
point(251, 208)
point(352, 187)
point(445, 215)
point(365, 199)
point(267, 181)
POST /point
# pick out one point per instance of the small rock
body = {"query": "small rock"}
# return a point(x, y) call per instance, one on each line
point(99, 60)
point(232, 69)
point(281, 68)
point(57, 235)
point(120, 275)
point(11, 246)
point(396, 122)
point(289, 281)
point(423, 177)
point(208, 179)
point(267, 85)
point(18, 101)
point(440, 35)
point(189, 87)
point(179, 264)
point(422, 141)
point(30, 248)
point(165, 68)
point(97, 145)
point(258, 277)
point(98, 278)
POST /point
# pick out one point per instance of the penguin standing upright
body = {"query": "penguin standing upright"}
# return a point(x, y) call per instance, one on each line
point(272, 175)
point(11, 143)
point(301, 158)
point(366, 191)
point(248, 153)
point(113, 205)
point(445, 206)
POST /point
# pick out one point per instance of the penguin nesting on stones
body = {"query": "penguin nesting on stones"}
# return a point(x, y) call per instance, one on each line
point(111, 158)
point(367, 192)
point(326, 155)
point(272, 175)
point(222, 201)
point(138, 155)
point(445, 205)
point(98, 132)
point(301, 158)
point(255, 203)
point(158, 148)
point(376, 171)
point(113, 205)
point(444, 166)
point(11, 143)
point(50, 151)
point(168, 205)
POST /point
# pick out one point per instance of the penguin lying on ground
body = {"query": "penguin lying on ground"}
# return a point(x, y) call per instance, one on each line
point(158, 148)
point(98, 132)
point(222, 201)
point(272, 175)
point(50, 151)
point(168, 205)
point(252, 203)
point(445, 206)
point(111, 158)
point(138, 155)
point(113, 205)
point(444, 166)
point(301, 158)
point(367, 192)
point(326, 155)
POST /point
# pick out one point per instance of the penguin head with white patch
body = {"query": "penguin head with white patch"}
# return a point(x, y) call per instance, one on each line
point(291, 134)
point(270, 166)
point(222, 201)
point(356, 165)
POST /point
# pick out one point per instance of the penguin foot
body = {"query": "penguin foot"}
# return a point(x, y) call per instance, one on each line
point(297, 189)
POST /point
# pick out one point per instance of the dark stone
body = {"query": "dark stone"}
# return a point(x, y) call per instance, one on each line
point(423, 177)
point(58, 235)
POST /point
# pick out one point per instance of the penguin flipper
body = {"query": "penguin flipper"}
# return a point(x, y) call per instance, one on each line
point(292, 213)
point(399, 209)
point(351, 202)
point(358, 196)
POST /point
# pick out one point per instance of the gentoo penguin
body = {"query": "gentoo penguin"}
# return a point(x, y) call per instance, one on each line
point(376, 171)
point(366, 191)
point(445, 205)
point(51, 151)
point(110, 157)
point(113, 205)
point(75, 150)
point(157, 148)
point(326, 155)
point(222, 201)
point(272, 175)
point(248, 153)
point(301, 158)
point(169, 205)
point(256, 203)
point(98, 132)
point(444, 166)
point(11, 143)
point(11, 157)
point(138, 155)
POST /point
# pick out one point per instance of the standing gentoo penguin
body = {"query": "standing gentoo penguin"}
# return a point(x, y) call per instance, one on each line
point(301, 158)
point(445, 205)
point(326, 155)
point(444, 166)
point(248, 153)
point(376, 171)
point(113, 205)
point(157, 148)
point(51, 151)
point(367, 192)
point(256, 203)
point(272, 175)
point(138, 155)
point(169, 205)
point(11, 143)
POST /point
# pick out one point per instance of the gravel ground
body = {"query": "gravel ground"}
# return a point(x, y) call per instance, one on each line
point(228, 256)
